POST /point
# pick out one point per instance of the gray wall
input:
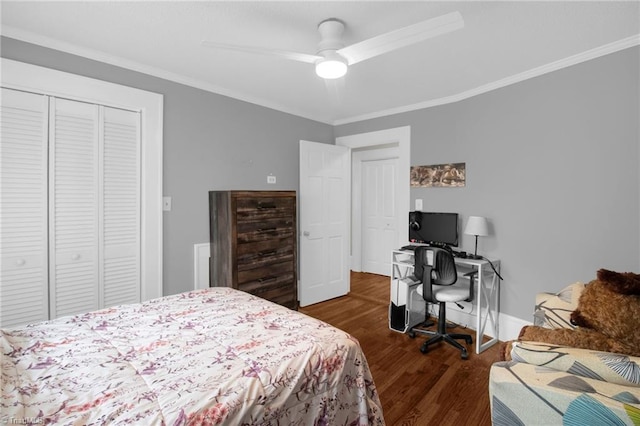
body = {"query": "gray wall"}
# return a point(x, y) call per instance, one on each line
point(211, 142)
point(553, 162)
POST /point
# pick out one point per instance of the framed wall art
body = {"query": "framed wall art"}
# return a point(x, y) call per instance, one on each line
point(451, 175)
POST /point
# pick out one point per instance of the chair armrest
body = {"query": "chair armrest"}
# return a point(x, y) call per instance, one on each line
point(605, 366)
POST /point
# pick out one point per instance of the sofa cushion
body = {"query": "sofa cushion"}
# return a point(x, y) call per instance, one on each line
point(554, 310)
point(525, 394)
point(609, 367)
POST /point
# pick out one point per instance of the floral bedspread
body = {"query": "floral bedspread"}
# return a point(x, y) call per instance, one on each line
point(214, 356)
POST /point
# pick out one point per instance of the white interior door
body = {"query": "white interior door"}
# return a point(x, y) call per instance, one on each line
point(70, 201)
point(120, 207)
point(74, 231)
point(35, 79)
point(23, 202)
point(324, 221)
point(379, 214)
point(94, 213)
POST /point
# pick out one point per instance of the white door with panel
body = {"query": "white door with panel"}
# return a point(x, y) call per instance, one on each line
point(324, 221)
point(379, 214)
point(89, 211)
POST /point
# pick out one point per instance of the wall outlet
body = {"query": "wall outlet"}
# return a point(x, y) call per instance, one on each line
point(271, 179)
point(418, 204)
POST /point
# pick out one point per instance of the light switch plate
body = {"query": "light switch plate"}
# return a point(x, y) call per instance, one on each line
point(418, 204)
point(166, 204)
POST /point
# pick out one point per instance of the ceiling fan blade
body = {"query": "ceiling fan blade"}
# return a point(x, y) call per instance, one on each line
point(402, 37)
point(295, 56)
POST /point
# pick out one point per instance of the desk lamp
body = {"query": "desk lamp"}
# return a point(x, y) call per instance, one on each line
point(478, 226)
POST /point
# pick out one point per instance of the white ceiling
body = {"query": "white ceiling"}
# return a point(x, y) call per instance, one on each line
point(501, 43)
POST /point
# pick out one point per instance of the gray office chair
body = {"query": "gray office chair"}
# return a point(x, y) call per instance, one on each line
point(436, 269)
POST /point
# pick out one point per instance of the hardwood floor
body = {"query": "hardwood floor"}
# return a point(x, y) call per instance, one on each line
point(437, 388)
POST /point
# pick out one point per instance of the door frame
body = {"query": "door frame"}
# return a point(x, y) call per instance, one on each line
point(358, 158)
point(382, 138)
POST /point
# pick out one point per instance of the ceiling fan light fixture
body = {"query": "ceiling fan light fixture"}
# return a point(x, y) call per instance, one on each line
point(331, 66)
point(332, 57)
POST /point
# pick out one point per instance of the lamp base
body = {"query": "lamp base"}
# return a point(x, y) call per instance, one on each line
point(475, 252)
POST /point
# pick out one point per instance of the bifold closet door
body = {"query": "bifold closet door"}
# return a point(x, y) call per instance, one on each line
point(94, 209)
point(74, 221)
point(120, 246)
point(69, 207)
point(24, 294)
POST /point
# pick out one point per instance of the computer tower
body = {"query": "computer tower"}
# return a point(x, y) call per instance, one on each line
point(406, 307)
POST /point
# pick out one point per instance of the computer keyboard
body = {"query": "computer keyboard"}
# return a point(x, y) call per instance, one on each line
point(460, 254)
point(413, 247)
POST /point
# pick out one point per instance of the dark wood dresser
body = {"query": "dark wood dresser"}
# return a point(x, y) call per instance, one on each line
point(253, 237)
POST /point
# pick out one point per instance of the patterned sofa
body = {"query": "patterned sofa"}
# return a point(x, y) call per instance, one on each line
point(547, 384)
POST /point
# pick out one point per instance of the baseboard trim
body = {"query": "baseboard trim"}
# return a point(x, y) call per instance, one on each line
point(508, 326)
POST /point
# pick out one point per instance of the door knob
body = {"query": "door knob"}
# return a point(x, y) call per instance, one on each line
point(306, 233)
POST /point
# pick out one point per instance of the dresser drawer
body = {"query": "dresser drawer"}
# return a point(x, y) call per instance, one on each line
point(280, 290)
point(272, 228)
point(264, 274)
point(265, 284)
point(250, 258)
point(248, 209)
point(283, 296)
point(264, 246)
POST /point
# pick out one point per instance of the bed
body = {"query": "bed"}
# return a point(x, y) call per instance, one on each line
point(213, 356)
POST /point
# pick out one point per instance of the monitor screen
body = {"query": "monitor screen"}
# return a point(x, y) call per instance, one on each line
point(433, 228)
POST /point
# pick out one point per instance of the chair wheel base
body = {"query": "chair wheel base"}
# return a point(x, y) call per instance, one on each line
point(450, 339)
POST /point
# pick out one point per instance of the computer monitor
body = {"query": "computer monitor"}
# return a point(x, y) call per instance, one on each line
point(433, 228)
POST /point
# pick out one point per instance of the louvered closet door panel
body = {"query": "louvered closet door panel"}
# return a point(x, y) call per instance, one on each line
point(121, 207)
point(23, 208)
point(74, 207)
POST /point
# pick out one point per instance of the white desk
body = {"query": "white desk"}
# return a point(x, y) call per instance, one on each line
point(487, 293)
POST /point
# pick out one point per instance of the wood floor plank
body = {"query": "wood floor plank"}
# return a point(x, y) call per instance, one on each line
point(437, 388)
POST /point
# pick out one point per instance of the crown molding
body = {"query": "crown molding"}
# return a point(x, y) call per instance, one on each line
point(517, 78)
point(92, 54)
point(117, 61)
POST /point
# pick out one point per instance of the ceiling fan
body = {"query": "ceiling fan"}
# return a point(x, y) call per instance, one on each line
point(332, 57)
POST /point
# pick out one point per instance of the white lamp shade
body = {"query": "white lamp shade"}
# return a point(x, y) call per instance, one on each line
point(332, 66)
point(477, 225)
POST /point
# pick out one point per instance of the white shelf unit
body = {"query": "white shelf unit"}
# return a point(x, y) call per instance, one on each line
point(406, 307)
